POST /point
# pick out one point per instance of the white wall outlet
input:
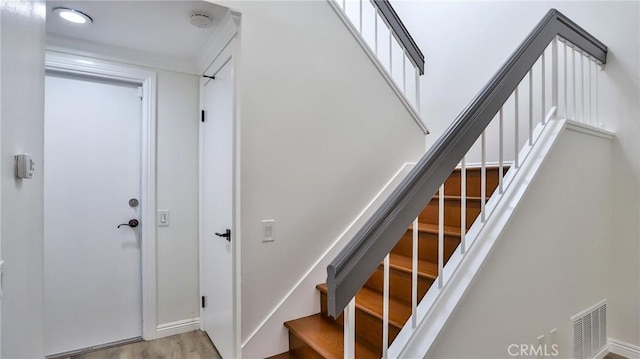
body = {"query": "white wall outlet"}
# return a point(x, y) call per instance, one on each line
point(268, 230)
point(163, 218)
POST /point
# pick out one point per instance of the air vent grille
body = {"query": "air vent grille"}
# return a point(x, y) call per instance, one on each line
point(590, 331)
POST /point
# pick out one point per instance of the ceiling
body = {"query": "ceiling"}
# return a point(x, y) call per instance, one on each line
point(158, 27)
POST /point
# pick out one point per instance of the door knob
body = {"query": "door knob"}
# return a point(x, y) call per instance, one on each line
point(226, 235)
point(133, 223)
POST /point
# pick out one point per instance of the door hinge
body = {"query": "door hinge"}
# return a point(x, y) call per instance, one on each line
point(202, 115)
point(204, 301)
point(140, 93)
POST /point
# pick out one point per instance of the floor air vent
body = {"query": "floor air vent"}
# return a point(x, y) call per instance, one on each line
point(590, 331)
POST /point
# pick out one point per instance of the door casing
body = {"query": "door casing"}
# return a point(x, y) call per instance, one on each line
point(228, 49)
point(90, 67)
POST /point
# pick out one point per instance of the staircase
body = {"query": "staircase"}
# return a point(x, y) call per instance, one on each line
point(319, 336)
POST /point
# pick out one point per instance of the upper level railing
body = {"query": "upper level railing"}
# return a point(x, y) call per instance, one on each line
point(401, 33)
point(387, 41)
point(349, 271)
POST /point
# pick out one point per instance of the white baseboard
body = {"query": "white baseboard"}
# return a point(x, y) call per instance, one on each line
point(626, 350)
point(590, 129)
point(177, 327)
point(602, 353)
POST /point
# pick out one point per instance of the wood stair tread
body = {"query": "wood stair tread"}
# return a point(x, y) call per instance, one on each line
point(402, 263)
point(325, 338)
point(433, 229)
point(477, 168)
point(285, 355)
point(454, 197)
point(370, 302)
point(320, 336)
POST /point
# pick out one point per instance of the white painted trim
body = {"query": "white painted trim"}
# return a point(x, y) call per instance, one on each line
point(237, 187)
point(217, 43)
point(2, 262)
point(177, 327)
point(602, 353)
point(624, 349)
point(63, 44)
point(438, 304)
point(376, 62)
point(590, 130)
point(220, 52)
point(149, 209)
point(86, 66)
point(270, 336)
point(222, 58)
point(200, 205)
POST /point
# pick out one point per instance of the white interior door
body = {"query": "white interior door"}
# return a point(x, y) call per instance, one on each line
point(92, 169)
point(217, 199)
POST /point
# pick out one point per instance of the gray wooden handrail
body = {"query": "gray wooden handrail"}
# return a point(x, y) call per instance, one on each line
point(402, 34)
point(349, 271)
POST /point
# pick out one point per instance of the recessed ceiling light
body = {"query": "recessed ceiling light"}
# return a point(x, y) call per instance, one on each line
point(72, 15)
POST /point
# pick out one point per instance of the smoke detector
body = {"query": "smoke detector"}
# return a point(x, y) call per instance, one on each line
point(201, 20)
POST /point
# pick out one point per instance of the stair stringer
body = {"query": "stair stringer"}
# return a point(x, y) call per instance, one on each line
point(438, 304)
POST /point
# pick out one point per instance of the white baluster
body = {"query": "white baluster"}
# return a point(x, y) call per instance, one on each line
point(483, 177)
point(500, 150)
point(417, 74)
point(350, 330)
point(360, 23)
point(517, 131)
point(404, 73)
point(375, 33)
point(590, 93)
point(463, 204)
point(566, 85)
point(414, 276)
point(575, 92)
point(543, 89)
point(583, 118)
point(597, 117)
point(531, 107)
point(391, 53)
point(385, 309)
point(554, 74)
point(441, 236)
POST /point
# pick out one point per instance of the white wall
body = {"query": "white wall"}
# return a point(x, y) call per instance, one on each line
point(177, 191)
point(177, 173)
point(466, 42)
point(321, 133)
point(22, 113)
point(552, 262)
point(177, 245)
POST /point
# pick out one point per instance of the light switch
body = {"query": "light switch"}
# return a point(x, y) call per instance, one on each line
point(268, 230)
point(163, 218)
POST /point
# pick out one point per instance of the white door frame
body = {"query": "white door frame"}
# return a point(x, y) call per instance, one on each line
point(225, 47)
point(90, 67)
